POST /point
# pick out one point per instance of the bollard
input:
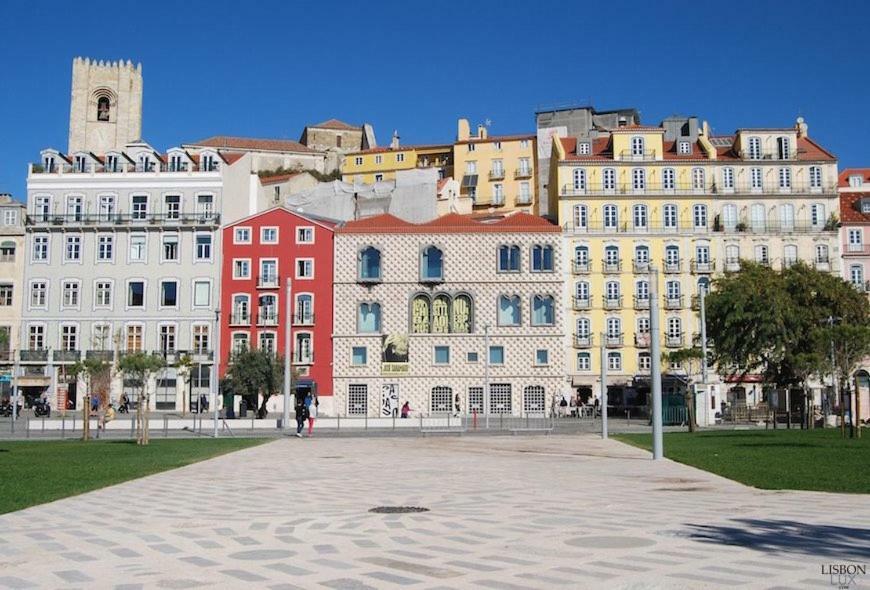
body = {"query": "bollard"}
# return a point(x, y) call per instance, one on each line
point(27, 425)
point(132, 425)
point(474, 419)
point(165, 427)
point(448, 421)
point(367, 419)
point(338, 423)
point(43, 424)
point(62, 426)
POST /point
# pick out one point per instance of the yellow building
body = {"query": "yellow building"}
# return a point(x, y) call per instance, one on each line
point(627, 198)
point(497, 171)
point(381, 163)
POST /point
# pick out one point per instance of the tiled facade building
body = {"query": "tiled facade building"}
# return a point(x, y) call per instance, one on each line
point(417, 305)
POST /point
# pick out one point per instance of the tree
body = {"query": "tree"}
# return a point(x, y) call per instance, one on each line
point(773, 323)
point(140, 367)
point(690, 359)
point(254, 373)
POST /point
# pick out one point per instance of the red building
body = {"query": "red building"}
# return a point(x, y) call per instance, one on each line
point(260, 253)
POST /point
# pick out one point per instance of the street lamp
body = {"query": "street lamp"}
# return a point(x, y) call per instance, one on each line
point(655, 364)
point(216, 366)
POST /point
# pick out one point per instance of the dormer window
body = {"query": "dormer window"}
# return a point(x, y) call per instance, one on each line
point(754, 148)
point(854, 181)
point(176, 163)
point(583, 148)
point(80, 164)
point(144, 163)
point(637, 146)
point(208, 163)
point(684, 148)
point(783, 146)
point(112, 163)
point(865, 205)
point(103, 108)
point(48, 163)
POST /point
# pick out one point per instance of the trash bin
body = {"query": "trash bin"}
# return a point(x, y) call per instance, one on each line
point(243, 409)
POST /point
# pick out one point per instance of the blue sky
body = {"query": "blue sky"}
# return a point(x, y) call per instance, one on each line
point(269, 68)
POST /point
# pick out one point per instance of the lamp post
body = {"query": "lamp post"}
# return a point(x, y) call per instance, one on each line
point(603, 393)
point(288, 343)
point(216, 364)
point(655, 363)
point(486, 399)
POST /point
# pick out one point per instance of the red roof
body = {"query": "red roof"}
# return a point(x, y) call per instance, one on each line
point(845, 174)
point(600, 149)
point(251, 143)
point(336, 124)
point(264, 180)
point(494, 138)
point(635, 127)
point(402, 148)
point(451, 223)
point(850, 208)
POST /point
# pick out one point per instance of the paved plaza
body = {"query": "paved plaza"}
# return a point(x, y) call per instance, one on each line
point(504, 512)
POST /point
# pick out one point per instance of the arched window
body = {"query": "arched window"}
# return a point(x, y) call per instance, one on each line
point(821, 254)
point(103, 108)
point(369, 318)
point(581, 290)
point(754, 148)
point(698, 179)
point(608, 179)
point(757, 217)
point(370, 264)
point(641, 290)
point(611, 293)
point(581, 255)
point(672, 289)
point(638, 179)
point(614, 327)
point(508, 258)
point(581, 217)
point(789, 255)
point(579, 179)
point(611, 257)
point(241, 309)
point(637, 146)
point(815, 177)
point(699, 216)
point(508, 310)
point(542, 258)
point(640, 216)
point(672, 256)
point(543, 310)
point(583, 328)
point(441, 314)
point(304, 309)
point(463, 314)
point(669, 179)
point(267, 312)
point(729, 217)
point(675, 327)
point(704, 285)
point(421, 314)
point(641, 256)
point(611, 217)
point(786, 216)
point(783, 145)
point(432, 264)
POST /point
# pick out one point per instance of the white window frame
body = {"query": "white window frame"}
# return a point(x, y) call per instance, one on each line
point(296, 268)
point(243, 228)
point(34, 249)
point(127, 283)
point(193, 284)
point(144, 259)
point(96, 303)
point(245, 276)
point(177, 293)
point(302, 228)
point(30, 290)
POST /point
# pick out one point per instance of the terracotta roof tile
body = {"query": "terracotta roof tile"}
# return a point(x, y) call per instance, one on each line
point(336, 124)
point(451, 223)
point(252, 143)
point(850, 211)
point(266, 180)
point(493, 138)
point(846, 173)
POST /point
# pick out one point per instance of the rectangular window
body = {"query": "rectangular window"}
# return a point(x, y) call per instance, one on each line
point(136, 294)
point(103, 294)
point(173, 207)
point(137, 247)
point(442, 355)
point(201, 293)
point(204, 206)
point(102, 337)
point(70, 294)
point(73, 251)
point(69, 338)
point(584, 361)
point(200, 339)
point(38, 294)
point(475, 400)
point(500, 401)
point(359, 356)
point(134, 339)
point(304, 268)
point(170, 251)
point(400, 157)
point(304, 235)
point(40, 248)
point(542, 357)
point(105, 248)
point(5, 295)
point(471, 357)
point(241, 268)
point(357, 399)
point(10, 217)
point(242, 235)
point(203, 246)
point(167, 339)
point(36, 337)
point(358, 161)
point(107, 207)
point(140, 207)
point(168, 294)
point(496, 355)
point(269, 235)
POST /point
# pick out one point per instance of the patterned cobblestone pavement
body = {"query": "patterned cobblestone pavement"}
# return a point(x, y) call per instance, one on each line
point(504, 512)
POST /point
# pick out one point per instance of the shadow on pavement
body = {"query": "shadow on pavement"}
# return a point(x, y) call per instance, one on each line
point(818, 540)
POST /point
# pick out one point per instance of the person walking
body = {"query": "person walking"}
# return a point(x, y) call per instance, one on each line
point(301, 414)
point(406, 410)
point(312, 403)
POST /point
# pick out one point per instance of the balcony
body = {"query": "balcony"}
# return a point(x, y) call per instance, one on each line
point(6, 355)
point(300, 358)
point(599, 227)
point(241, 318)
point(688, 188)
point(612, 302)
point(267, 317)
point(582, 341)
point(640, 266)
point(581, 303)
point(856, 249)
point(581, 267)
point(66, 356)
point(106, 220)
point(673, 340)
point(106, 356)
point(641, 302)
point(613, 340)
point(674, 302)
point(522, 173)
point(496, 174)
point(862, 287)
point(641, 340)
point(764, 226)
point(303, 319)
point(696, 340)
point(672, 266)
point(634, 156)
point(524, 199)
point(732, 264)
point(611, 266)
point(123, 167)
point(703, 266)
point(33, 356)
point(268, 282)
point(787, 263)
point(199, 356)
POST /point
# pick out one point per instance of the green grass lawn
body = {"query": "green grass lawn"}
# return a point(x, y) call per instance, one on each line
point(37, 472)
point(773, 459)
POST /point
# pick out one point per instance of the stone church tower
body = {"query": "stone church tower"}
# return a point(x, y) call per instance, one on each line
point(106, 105)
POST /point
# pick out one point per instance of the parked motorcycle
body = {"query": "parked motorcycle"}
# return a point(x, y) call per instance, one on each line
point(6, 410)
point(42, 408)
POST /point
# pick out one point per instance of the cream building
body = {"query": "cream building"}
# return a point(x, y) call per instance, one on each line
point(12, 262)
point(414, 315)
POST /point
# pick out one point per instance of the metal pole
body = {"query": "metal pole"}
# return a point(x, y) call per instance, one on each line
point(656, 364)
point(702, 295)
point(486, 373)
point(603, 393)
point(15, 391)
point(288, 343)
point(833, 373)
point(216, 365)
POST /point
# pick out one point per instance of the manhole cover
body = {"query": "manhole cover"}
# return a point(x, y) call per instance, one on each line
point(398, 509)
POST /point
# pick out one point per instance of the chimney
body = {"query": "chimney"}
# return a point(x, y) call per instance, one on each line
point(463, 132)
point(481, 132)
point(801, 127)
point(394, 143)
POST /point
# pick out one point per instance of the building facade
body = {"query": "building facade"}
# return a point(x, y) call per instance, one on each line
point(260, 254)
point(379, 164)
point(12, 262)
point(123, 256)
point(415, 313)
point(854, 186)
point(690, 204)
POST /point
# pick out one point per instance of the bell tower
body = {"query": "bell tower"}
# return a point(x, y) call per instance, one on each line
point(105, 105)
